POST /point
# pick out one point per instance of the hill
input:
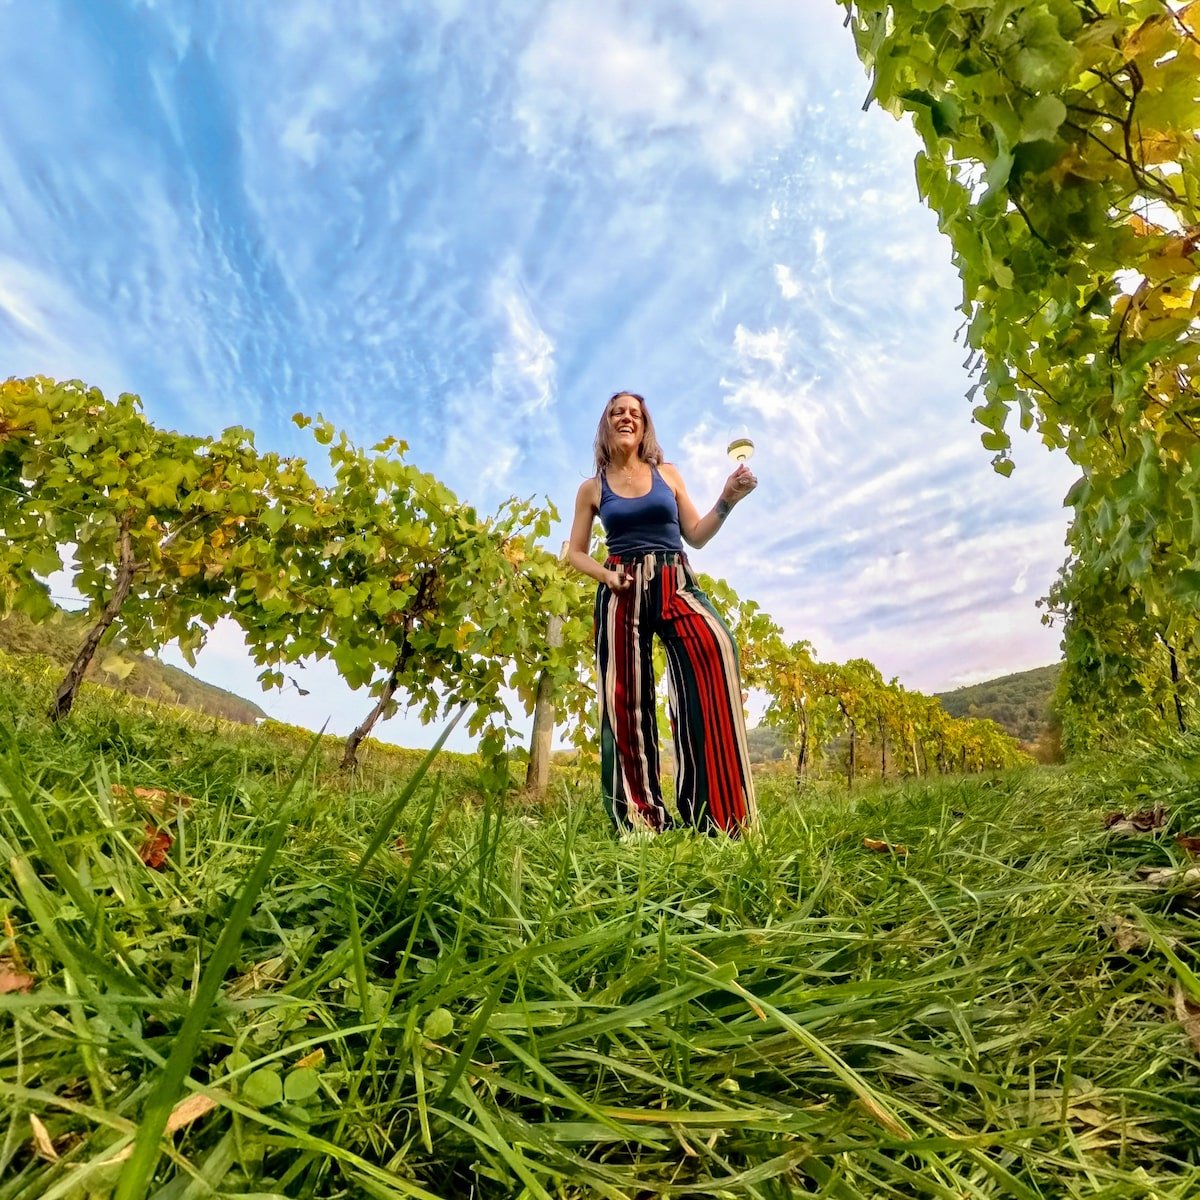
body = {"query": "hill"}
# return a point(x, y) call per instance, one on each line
point(141, 675)
point(1022, 704)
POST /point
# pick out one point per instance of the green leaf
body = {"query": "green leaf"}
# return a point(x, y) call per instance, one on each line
point(946, 114)
point(263, 1088)
point(115, 664)
point(438, 1025)
point(1045, 57)
point(42, 560)
point(1185, 585)
point(301, 1083)
point(997, 174)
point(1041, 120)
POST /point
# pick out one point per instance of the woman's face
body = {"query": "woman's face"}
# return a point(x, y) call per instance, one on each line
point(626, 423)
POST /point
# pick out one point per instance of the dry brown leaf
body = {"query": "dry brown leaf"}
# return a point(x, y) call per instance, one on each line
point(1085, 1115)
point(1145, 821)
point(1125, 828)
point(882, 847)
point(157, 799)
point(1149, 818)
point(315, 1059)
point(13, 979)
point(42, 1141)
point(1100, 1127)
point(260, 976)
point(1166, 877)
point(153, 851)
point(1187, 1012)
point(190, 1108)
point(1189, 842)
point(1126, 935)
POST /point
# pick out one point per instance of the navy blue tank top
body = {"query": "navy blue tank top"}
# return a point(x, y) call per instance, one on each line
point(640, 524)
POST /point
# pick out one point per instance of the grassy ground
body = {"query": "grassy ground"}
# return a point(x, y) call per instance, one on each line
point(397, 988)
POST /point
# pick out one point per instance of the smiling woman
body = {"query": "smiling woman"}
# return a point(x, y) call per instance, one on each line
point(647, 588)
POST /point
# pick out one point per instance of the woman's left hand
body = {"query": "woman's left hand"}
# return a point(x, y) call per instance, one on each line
point(739, 485)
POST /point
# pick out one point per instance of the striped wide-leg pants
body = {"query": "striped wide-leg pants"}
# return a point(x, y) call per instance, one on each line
point(713, 787)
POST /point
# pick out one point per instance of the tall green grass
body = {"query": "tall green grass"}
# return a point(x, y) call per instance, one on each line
point(504, 1002)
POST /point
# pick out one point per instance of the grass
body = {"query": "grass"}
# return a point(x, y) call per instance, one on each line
point(502, 1001)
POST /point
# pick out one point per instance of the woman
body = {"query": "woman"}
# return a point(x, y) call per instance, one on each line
point(647, 588)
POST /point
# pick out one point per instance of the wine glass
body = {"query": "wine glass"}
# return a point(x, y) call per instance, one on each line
point(741, 446)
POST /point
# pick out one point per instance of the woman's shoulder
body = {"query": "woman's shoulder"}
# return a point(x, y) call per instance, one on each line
point(670, 473)
point(589, 492)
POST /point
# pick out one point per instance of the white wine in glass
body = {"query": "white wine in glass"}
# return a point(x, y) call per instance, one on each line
point(740, 446)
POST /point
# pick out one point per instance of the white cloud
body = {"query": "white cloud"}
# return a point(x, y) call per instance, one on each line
point(19, 306)
point(54, 332)
point(789, 288)
point(771, 346)
point(721, 80)
point(301, 139)
point(523, 367)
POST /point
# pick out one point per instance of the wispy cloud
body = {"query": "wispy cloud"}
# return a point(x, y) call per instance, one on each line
point(642, 86)
point(523, 365)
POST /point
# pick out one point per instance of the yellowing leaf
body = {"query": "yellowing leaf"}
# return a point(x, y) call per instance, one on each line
point(1182, 302)
point(1142, 227)
point(882, 847)
point(114, 664)
point(1154, 147)
point(189, 1109)
point(1152, 38)
point(42, 1142)
point(1187, 1012)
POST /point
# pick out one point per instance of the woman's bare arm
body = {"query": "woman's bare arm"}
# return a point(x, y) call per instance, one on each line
point(699, 530)
point(587, 505)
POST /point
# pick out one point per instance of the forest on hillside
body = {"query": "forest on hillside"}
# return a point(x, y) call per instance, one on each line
point(1022, 704)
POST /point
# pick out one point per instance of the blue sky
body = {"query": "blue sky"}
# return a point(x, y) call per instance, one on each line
point(468, 224)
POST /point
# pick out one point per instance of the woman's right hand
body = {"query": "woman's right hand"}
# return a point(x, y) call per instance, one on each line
point(617, 580)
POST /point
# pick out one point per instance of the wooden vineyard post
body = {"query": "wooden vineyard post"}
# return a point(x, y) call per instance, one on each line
point(537, 774)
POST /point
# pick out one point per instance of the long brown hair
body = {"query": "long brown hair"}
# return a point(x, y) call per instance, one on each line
point(649, 451)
